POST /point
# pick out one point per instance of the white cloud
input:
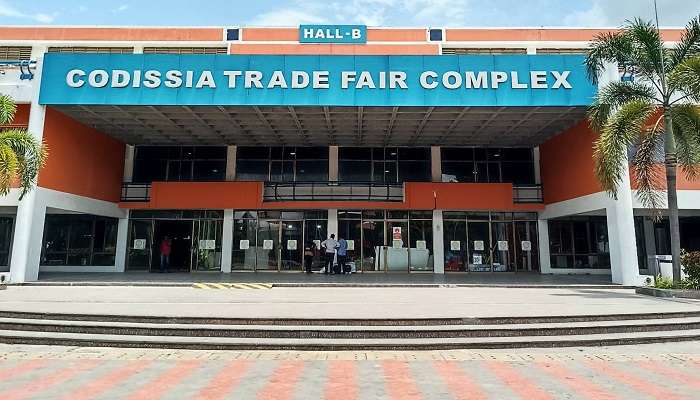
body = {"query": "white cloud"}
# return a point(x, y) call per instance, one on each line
point(614, 13)
point(368, 12)
point(121, 8)
point(6, 10)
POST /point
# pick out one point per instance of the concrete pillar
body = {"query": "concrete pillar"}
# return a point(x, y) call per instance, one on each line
point(531, 50)
point(122, 243)
point(543, 243)
point(231, 163)
point(128, 163)
point(435, 164)
point(138, 49)
point(31, 211)
point(438, 243)
point(333, 164)
point(227, 242)
point(621, 237)
point(536, 163)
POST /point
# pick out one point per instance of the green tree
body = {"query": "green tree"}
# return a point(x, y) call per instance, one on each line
point(21, 155)
point(655, 115)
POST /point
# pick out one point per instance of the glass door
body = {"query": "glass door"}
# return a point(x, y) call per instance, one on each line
point(503, 246)
point(479, 246)
point(140, 245)
point(455, 244)
point(351, 231)
point(373, 248)
point(245, 244)
point(397, 246)
point(292, 245)
point(268, 245)
point(207, 245)
point(526, 241)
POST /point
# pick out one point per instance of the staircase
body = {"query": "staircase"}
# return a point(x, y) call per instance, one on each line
point(346, 334)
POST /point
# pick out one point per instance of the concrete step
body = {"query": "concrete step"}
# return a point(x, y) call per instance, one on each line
point(349, 332)
point(501, 320)
point(223, 343)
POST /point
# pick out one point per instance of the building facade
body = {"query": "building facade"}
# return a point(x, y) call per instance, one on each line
point(428, 150)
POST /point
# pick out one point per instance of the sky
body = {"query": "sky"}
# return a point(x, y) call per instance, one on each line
point(402, 13)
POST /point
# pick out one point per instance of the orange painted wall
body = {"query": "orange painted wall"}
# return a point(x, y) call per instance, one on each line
point(111, 34)
point(334, 49)
point(566, 164)
point(82, 160)
point(516, 34)
point(21, 120)
point(248, 195)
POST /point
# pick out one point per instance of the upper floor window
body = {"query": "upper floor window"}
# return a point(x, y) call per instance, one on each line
point(489, 165)
point(384, 164)
point(282, 164)
point(179, 163)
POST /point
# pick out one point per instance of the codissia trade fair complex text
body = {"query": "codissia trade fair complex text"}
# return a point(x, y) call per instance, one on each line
point(462, 151)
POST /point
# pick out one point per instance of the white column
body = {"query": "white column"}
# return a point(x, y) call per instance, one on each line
point(435, 164)
point(128, 163)
point(536, 163)
point(333, 222)
point(531, 50)
point(138, 49)
point(231, 163)
point(543, 243)
point(122, 243)
point(438, 243)
point(227, 241)
point(333, 164)
point(31, 211)
point(621, 237)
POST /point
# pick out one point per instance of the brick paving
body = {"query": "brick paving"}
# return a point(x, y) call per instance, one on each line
point(629, 372)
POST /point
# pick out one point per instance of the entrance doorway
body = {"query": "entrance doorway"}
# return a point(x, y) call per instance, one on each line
point(180, 235)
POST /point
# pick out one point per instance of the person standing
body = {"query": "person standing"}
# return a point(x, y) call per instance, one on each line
point(342, 254)
point(309, 256)
point(329, 245)
point(166, 246)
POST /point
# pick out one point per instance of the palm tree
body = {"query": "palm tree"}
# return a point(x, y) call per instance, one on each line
point(21, 155)
point(655, 115)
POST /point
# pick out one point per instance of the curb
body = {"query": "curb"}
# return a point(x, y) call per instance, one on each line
point(335, 285)
point(668, 293)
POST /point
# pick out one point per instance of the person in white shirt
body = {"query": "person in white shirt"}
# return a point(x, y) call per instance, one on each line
point(329, 245)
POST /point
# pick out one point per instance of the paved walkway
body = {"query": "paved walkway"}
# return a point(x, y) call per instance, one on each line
point(503, 279)
point(668, 371)
point(342, 302)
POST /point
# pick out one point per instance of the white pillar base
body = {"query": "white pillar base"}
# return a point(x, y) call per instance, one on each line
point(122, 244)
point(227, 242)
point(438, 243)
point(543, 243)
point(29, 232)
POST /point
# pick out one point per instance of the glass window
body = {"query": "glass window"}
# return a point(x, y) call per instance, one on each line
point(514, 165)
point(285, 164)
point(173, 163)
point(79, 240)
point(421, 245)
point(580, 242)
point(252, 170)
point(209, 170)
point(6, 229)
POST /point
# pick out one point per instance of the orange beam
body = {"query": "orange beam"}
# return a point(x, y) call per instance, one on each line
point(112, 34)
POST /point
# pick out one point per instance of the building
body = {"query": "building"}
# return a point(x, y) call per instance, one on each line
point(429, 150)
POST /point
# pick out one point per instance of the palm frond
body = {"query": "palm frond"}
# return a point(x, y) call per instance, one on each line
point(607, 47)
point(614, 95)
point(645, 163)
point(686, 78)
point(8, 108)
point(618, 133)
point(686, 132)
point(688, 45)
point(9, 165)
point(649, 53)
point(31, 155)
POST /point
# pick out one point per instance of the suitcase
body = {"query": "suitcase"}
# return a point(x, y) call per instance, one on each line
point(336, 269)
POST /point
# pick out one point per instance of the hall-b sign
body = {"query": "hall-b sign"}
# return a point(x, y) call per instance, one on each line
point(473, 80)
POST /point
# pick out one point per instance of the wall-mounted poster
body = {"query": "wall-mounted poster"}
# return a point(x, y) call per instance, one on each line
point(351, 244)
point(244, 244)
point(477, 259)
point(479, 245)
point(139, 244)
point(291, 244)
point(268, 244)
point(526, 245)
point(207, 244)
point(421, 244)
point(502, 245)
point(455, 245)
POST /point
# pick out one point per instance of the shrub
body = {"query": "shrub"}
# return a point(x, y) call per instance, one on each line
point(691, 266)
point(663, 283)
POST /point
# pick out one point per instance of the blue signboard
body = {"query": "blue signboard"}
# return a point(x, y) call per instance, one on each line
point(332, 34)
point(469, 80)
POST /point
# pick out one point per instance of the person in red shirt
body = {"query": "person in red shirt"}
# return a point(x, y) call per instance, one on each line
point(165, 249)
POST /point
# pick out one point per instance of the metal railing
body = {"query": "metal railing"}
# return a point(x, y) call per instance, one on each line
point(136, 192)
point(527, 194)
point(333, 191)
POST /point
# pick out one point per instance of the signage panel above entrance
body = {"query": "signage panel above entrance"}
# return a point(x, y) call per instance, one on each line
point(356, 34)
point(470, 80)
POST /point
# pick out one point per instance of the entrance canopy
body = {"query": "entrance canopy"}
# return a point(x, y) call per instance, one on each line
point(314, 126)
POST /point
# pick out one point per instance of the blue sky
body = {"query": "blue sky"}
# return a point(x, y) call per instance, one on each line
point(437, 13)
